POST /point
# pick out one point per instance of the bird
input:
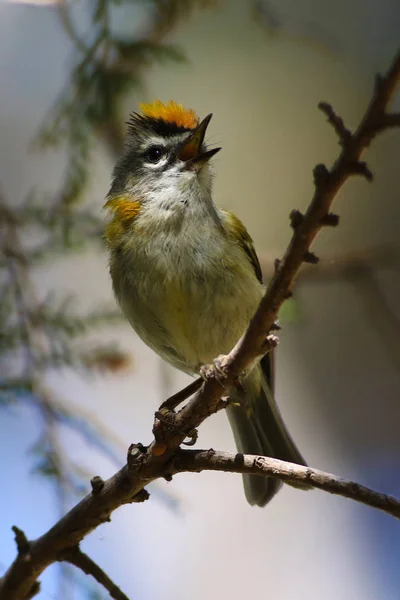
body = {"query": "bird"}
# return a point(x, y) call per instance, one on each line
point(185, 272)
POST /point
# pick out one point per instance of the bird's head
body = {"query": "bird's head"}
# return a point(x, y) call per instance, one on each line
point(164, 170)
point(165, 160)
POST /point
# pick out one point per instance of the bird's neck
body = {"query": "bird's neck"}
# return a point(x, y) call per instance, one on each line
point(179, 213)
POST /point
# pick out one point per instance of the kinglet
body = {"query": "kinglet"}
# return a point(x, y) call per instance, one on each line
point(186, 274)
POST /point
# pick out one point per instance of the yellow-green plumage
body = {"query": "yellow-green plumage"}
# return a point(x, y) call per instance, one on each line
point(187, 277)
point(188, 290)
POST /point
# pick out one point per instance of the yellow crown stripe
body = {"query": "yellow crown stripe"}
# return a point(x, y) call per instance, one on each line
point(171, 112)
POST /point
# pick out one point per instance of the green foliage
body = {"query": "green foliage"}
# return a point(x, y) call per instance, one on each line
point(62, 320)
point(147, 53)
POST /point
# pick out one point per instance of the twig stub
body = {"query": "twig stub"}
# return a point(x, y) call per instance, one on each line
point(136, 453)
point(311, 258)
point(296, 217)
point(321, 175)
point(97, 484)
point(361, 168)
point(21, 540)
point(341, 131)
point(330, 220)
point(142, 496)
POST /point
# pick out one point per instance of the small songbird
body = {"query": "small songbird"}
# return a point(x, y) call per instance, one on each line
point(186, 274)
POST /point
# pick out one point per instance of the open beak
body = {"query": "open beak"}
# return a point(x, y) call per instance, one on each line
point(190, 150)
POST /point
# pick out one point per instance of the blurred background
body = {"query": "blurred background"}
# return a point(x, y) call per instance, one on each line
point(77, 385)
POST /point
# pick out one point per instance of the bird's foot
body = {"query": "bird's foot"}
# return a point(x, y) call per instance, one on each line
point(164, 427)
point(216, 370)
point(270, 342)
point(191, 437)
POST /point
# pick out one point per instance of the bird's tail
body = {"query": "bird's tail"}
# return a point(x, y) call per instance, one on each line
point(258, 428)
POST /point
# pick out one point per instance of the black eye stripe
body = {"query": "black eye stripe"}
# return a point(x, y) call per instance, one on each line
point(171, 158)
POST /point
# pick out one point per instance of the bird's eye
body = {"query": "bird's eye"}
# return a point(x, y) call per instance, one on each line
point(155, 153)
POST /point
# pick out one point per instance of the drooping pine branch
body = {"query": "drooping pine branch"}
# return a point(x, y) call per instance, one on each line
point(38, 335)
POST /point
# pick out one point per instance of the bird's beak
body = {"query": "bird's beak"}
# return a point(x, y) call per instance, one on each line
point(190, 150)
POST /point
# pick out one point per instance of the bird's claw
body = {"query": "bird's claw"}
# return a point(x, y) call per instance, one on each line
point(270, 342)
point(192, 438)
point(216, 370)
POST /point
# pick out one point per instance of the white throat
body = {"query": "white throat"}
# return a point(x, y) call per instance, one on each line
point(177, 198)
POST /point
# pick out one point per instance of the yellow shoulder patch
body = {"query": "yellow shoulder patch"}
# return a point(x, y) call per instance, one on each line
point(123, 207)
point(171, 112)
point(125, 212)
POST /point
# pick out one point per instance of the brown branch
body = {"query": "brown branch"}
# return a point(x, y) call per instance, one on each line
point(82, 561)
point(341, 131)
point(392, 120)
point(328, 183)
point(341, 265)
point(146, 464)
point(195, 461)
point(35, 589)
point(174, 401)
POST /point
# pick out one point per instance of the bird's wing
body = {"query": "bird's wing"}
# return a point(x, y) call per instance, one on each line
point(239, 234)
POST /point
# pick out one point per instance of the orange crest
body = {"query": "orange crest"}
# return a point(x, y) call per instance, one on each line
point(171, 112)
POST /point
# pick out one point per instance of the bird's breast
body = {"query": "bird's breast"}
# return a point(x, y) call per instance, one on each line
point(188, 296)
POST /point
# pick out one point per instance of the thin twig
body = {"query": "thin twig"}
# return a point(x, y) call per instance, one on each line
point(195, 461)
point(82, 561)
point(66, 21)
point(341, 131)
